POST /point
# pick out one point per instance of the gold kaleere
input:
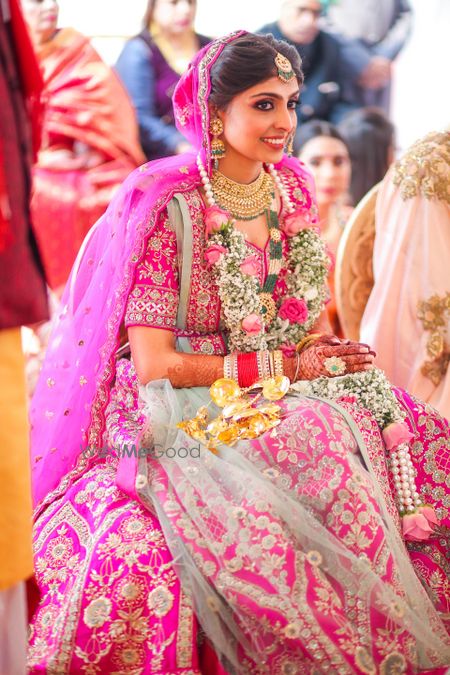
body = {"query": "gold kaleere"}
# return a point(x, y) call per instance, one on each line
point(240, 418)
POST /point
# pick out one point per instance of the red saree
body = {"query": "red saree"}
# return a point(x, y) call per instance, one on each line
point(90, 145)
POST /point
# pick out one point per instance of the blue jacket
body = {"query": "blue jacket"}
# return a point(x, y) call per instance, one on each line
point(321, 95)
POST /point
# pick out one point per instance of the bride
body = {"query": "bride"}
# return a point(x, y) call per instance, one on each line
point(235, 491)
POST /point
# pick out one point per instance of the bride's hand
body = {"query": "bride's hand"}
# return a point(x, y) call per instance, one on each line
point(347, 357)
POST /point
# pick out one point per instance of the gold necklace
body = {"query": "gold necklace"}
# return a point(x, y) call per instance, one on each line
point(243, 202)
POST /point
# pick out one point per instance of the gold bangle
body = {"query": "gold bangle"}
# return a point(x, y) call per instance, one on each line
point(278, 362)
point(297, 367)
point(271, 365)
point(308, 339)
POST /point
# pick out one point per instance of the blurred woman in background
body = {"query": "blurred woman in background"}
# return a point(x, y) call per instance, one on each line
point(323, 150)
point(370, 138)
point(90, 140)
point(150, 66)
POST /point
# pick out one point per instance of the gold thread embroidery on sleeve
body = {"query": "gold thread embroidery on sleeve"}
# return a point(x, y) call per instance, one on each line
point(434, 315)
point(425, 169)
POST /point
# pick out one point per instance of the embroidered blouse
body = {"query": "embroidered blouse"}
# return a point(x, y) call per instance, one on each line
point(188, 307)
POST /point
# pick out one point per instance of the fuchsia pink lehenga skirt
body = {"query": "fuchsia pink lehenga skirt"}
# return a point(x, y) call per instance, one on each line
point(277, 591)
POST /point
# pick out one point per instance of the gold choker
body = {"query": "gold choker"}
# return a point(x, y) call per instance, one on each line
point(243, 202)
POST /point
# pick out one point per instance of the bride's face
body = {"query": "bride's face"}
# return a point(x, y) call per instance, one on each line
point(258, 121)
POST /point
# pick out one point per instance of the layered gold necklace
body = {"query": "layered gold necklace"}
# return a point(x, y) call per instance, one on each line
point(243, 202)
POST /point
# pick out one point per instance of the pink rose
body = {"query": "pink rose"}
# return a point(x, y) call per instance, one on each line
point(288, 350)
point(215, 218)
point(252, 324)
point(213, 253)
point(250, 265)
point(428, 512)
point(294, 310)
point(395, 434)
point(294, 222)
point(416, 527)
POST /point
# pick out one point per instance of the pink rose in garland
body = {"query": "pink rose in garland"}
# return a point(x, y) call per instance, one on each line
point(213, 253)
point(252, 324)
point(250, 265)
point(416, 527)
point(294, 310)
point(215, 218)
point(293, 223)
point(395, 434)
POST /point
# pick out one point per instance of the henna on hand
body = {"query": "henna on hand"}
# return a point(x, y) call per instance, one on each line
point(357, 357)
point(194, 370)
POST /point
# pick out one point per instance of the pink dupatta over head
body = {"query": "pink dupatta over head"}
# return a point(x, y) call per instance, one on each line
point(68, 408)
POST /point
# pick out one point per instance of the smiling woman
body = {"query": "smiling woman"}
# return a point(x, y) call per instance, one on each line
point(284, 526)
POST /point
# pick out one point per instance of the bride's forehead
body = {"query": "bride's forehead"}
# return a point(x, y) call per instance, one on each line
point(272, 86)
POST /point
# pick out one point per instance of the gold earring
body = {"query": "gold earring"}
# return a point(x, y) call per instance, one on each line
point(290, 145)
point(217, 145)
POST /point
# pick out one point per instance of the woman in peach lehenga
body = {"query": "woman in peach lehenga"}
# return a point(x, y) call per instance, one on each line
point(407, 318)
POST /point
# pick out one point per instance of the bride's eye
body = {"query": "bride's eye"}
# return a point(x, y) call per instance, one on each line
point(264, 105)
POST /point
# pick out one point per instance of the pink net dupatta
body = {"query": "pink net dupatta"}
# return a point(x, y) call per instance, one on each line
point(67, 411)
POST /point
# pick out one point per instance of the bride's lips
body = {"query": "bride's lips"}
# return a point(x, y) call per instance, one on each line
point(274, 142)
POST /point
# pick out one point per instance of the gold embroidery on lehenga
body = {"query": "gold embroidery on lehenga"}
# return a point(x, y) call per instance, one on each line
point(425, 169)
point(434, 314)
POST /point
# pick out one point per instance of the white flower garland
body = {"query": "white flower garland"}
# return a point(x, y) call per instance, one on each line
point(307, 263)
point(306, 280)
point(370, 387)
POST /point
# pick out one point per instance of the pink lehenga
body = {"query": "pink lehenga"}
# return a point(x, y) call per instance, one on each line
point(153, 555)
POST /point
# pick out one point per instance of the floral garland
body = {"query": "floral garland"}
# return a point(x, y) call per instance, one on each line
point(308, 265)
point(238, 284)
point(371, 390)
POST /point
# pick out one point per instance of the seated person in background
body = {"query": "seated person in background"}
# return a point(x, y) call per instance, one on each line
point(370, 138)
point(407, 318)
point(150, 66)
point(372, 35)
point(90, 140)
point(298, 24)
point(323, 150)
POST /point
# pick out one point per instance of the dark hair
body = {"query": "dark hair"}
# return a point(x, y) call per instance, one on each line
point(148, 16)
point(313, 129)
point(247, 61)
point(370, 136)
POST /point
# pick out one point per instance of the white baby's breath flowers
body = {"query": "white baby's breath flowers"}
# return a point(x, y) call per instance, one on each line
point(307, 263)
point(371, 389)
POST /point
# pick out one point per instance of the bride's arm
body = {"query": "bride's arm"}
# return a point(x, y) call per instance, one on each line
point(155, 357)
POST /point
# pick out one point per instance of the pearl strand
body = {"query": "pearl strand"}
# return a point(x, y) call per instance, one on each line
point(273, 172)
point(408, 499)
point(206, 182)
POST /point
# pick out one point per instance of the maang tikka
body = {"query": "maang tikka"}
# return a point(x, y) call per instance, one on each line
point(285, 71)
point(217, 145)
